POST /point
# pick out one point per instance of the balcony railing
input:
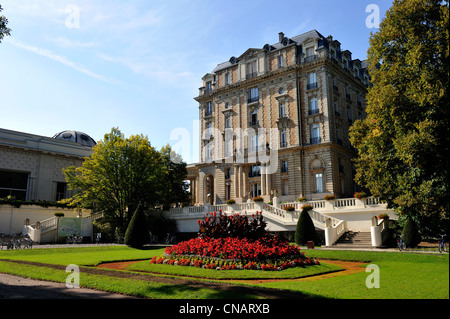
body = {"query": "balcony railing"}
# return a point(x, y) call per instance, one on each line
point(251, 75)
point(253, 99)
point(310, 58)
point(311, 86)
point(313, 111)
point(253, 123)
point(315, 140)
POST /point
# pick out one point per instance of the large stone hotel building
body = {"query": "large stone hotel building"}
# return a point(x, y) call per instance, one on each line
point(275, 122)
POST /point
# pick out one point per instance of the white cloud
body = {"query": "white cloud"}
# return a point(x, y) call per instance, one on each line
point(61, 59)
point(68, 43)
point(162, 70)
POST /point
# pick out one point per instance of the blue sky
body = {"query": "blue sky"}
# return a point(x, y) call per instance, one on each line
point(91, 65)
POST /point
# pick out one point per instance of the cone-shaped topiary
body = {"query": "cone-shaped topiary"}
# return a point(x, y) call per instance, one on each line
point(137, 233)
point(411, 235)
point(305, 230)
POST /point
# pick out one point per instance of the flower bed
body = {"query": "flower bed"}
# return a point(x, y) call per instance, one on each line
point(234, 242)
point(267, 253)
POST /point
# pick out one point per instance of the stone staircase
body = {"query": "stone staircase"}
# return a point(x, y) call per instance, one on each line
point(354, 240)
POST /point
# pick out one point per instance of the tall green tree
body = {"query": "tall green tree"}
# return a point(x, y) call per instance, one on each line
point(4, 30)
point(403, 142)
point(121, 174)
point(174, 188)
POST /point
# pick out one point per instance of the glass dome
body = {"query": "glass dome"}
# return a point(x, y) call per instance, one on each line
point(77, 137)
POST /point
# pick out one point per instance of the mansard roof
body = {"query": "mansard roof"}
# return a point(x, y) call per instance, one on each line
point(298, 40)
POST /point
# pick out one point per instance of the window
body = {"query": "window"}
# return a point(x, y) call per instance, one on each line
point(208, 87)
point(312, 81)
point(228, 192)
point(315, 134)
point(227, 106)
point(337, 109)
point(347, 93)
point(284, 167)
point(254, 143)
point(251, 70)
point(310, 54)
point(227, 122)
point(209, 130)
point(310, 51)
point(319, 182)
point(227, 173)
point(253, 95)
point(208, 111)
point(208, 152)
point(254, 118)
point(227, 78)
point(283, 138)
point(313, 108)
point(61, 191)
point(282, 110)
point(285, 186)
point(280, 61)
point(256, 189)
point(335, 86)
point(255, 171)
point(229, 148)
point(13, 184)
point(349, 116)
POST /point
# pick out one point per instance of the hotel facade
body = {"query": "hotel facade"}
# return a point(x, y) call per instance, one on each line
point(275, 121)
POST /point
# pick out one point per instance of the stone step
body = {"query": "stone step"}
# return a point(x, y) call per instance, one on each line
point(354, 240)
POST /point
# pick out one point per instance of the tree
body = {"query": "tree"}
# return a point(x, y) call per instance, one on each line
point(305, 231)
point(4, 30)
point(174, 188)
point(411, 235)
point(403, 142)
point(121, 174)
point(137, 234)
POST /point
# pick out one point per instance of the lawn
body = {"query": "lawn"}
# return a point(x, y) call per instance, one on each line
point(402, 275)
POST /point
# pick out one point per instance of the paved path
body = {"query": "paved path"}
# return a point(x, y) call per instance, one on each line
point(14, 287)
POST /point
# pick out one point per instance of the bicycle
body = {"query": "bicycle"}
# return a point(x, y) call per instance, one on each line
point(400, 243)
point(442, 244)
point(170, 239)
point(74, 239)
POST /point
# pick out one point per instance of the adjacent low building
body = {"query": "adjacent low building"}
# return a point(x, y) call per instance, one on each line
point(31, 165)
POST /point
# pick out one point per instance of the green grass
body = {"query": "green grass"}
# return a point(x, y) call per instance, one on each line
point(290, 273)
point(90, 256)
point(131, 287)
point(402, 275)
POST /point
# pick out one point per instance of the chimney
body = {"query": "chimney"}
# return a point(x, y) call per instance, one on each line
point(280, 36)
point(330, 38)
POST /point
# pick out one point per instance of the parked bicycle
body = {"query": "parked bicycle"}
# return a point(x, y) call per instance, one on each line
point(16, 242)
point(74, 239)
point(170, 239)
point(400, 243)
point(442, 244)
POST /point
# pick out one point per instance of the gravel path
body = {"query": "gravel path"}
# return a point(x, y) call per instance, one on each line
point(14, 287)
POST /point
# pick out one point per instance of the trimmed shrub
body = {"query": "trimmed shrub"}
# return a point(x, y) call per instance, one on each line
point(410, 233)
point(137, 234)
point(305, 230)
